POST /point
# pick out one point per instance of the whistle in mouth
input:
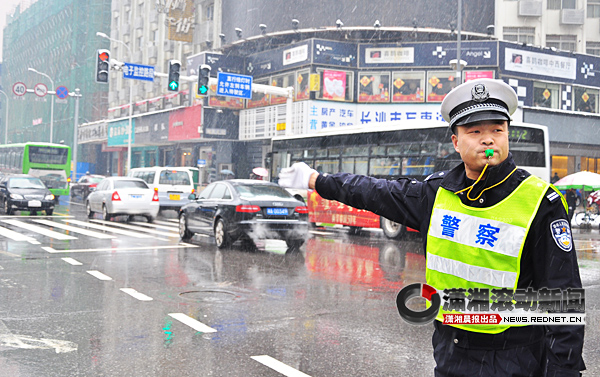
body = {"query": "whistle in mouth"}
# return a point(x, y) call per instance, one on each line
point(489, 153)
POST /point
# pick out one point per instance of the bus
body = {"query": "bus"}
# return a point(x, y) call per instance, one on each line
point(49, 162)
point(413, 149)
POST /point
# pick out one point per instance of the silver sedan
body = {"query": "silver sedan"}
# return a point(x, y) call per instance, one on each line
point(115, 196)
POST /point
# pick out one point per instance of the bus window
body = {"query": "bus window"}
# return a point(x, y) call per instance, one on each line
point(355, 165)
point(384, 166)
point(327, 166)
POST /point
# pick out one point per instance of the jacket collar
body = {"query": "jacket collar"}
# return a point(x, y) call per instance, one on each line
point(456, 179)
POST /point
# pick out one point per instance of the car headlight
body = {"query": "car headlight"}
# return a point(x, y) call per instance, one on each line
point(49, 197)
point(16, 196)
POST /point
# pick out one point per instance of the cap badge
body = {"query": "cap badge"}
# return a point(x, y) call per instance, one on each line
point(479, 93)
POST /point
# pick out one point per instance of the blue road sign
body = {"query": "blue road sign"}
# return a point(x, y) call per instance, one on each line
point(232, 85)
point(62, 92)
point(201, 162)
point(138, 72)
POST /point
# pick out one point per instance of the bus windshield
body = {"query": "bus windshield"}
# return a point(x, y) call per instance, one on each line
point(48, 155)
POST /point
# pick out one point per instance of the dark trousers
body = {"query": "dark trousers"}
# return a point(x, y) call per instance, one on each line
point(455, 357)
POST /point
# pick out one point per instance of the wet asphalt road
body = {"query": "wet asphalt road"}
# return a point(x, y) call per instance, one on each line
point(172, 309)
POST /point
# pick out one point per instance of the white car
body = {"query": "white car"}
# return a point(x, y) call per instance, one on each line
point(116, 196)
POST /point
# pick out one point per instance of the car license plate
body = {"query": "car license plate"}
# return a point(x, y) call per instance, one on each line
point(277, 211)
point(173, 197)
point(132, 196)
point(34, 203)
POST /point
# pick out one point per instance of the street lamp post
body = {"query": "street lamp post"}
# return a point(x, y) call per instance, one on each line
point(5, 119)
point(52, 103)
point(77, 95)
point(130, 128)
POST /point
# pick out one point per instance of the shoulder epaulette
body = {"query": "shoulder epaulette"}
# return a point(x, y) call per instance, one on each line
point(437, 175)
point(553, 196)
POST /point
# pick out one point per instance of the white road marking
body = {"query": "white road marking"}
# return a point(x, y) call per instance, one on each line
point(75, 230)
point(191, 322)
point(321, 233)
point(173, 220)
point(122, 248)
point(136, 228)
point(152, 225)
point(99, 275)
point(34, 242)
point(165, 222)
point(135, 294)
point(40, 230)
point(48, 249)
point(34, 217)
point(108, 229)
point(72, 261)
point(278, 366)
point(15, 236)
point(8, 339)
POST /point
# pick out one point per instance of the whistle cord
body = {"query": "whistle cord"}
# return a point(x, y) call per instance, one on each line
point(470, 188)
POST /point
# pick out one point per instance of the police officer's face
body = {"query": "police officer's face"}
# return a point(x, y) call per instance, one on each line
point(471, 142)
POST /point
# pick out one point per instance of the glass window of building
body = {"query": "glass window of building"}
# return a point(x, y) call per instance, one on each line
point(282, 81)
point(519, 34)
point(258, 99)
point(562, 42)
point(585, 99)
point(592, 48)
point(302, 85)
point(336, 85)
point(373, 87)
point(439, 83)
point(562, 4)
point(209, 11)
point(408, 86)
point(593, 9)
point(546, 95)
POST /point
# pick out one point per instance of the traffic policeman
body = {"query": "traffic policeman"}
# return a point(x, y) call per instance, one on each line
point(519, 222)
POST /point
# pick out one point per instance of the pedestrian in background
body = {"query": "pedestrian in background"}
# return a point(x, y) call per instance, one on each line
point(463, 215)
point(571, 197)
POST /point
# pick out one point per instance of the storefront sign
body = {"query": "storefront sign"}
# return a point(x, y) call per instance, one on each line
point(184, 124)
point(118, 133)
point(152, 128)
point(536, 63)
point(92, 132)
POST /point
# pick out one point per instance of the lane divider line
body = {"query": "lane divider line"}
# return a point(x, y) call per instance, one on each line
point(135, 294)
point(72, 261)
point(49, 249)
point(99, 275)
point(278, 366)
point(191, 322)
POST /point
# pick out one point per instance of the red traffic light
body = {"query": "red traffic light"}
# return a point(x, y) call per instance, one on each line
point(103, 56)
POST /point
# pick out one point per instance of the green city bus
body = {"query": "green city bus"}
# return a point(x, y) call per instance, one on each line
point(49, 162)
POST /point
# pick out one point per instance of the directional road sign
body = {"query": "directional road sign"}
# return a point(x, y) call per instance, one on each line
point(40, 90)
point(62, 92)
point(232, 85)
point(19, 89)
point(138, 72)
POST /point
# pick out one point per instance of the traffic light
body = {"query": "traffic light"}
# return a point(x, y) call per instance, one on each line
point(203, 79)
point(174, 67)
point(102, 65)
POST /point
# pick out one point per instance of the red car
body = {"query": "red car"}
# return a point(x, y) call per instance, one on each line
point(86, 184)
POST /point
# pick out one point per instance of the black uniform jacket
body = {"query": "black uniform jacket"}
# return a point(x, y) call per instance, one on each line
point(543, 263)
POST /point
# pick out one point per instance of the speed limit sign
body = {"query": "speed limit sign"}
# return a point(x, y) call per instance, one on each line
point(19, 89)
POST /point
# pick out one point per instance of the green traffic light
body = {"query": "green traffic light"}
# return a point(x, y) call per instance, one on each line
point(202, 90)
point(173, 85)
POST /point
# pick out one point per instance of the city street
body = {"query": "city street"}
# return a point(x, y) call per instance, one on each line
point(90, 298)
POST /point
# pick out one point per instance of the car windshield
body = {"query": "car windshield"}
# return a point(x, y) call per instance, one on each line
point(130, 184)
point(96, 179)
point(25, 183)
point(174, 177)
point(262, 191)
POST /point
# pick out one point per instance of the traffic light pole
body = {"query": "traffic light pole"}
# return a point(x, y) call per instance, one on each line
point(77, 95)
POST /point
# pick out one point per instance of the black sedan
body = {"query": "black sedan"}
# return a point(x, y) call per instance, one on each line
point(25, 193)
point(247, 210)
point(85, 185)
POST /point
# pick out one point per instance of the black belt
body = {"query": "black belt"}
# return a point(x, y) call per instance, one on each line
point(517, 336)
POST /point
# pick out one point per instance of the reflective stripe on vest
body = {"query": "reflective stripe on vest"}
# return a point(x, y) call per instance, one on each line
point(470, 247)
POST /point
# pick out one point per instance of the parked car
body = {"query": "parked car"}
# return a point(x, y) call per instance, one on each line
point(245, 209)
point(85, 185)
point(115, 196)
point(174, 184)
point(21, 192)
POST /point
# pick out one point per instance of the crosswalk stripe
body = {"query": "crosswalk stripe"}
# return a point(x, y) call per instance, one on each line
point(152, 225)
point(173, 220)
point(164, 222)
point(75, 230)
point(278, 366)
point(99, 275)
point(135, 294)
point(40, 230)
point(15, 236)
point(107, 228)
point(72, 261)
point(138, 228)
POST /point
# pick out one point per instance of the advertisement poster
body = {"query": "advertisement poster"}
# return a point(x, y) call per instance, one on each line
point(334, 85)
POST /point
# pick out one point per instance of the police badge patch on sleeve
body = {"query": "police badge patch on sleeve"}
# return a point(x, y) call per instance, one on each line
point(561, 231)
